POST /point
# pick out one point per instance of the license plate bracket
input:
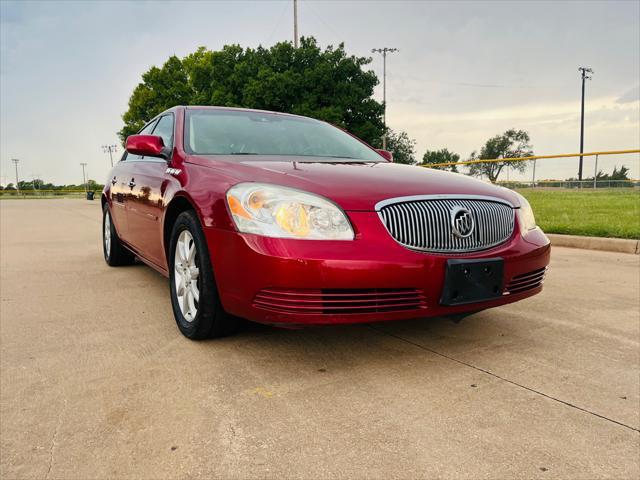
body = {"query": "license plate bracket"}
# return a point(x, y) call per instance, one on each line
point(472, 281)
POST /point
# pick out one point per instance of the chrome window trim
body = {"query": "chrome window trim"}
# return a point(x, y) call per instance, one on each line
point(412, 198)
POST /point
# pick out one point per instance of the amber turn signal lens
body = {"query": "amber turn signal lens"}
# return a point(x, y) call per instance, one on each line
point(236, 207)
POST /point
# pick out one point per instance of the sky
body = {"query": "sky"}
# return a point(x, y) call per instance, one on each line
point(464, 72)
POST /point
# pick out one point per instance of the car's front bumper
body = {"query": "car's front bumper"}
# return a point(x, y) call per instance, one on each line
point(245, 265)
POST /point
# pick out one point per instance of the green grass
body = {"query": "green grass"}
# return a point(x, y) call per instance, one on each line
point(600, 213)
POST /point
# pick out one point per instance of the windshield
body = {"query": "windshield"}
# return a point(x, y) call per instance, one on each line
point(229, 132)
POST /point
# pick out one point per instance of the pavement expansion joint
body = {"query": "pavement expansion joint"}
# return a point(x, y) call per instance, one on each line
point(495, 375)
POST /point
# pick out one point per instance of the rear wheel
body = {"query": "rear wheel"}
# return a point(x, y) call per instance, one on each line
point(115, 254)
point(194, 294)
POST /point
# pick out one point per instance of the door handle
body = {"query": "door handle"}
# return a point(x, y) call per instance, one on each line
point(132, 183)
point(113, 181)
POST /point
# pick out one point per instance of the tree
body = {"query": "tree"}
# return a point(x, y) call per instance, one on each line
point(441, 156)
point(24, 185)
point(92, 185)
point(622, 174)
point(9, 186)
point(511, 144)
point(402, 147)
point(325, 84)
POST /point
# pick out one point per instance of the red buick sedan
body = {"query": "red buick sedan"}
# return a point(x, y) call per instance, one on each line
point(290, 221)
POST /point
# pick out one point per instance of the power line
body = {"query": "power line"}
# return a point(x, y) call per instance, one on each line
point(424, 79)
point(275, 26)
point(309, 7)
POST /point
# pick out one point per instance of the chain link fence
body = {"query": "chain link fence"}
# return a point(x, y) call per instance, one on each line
point(571, 184)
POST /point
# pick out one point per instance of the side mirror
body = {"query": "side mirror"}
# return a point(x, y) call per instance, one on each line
point(146, 146)
point(387, 155)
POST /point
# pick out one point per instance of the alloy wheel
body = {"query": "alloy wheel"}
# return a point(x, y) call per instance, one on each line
point(186, 274)
point(107, 234)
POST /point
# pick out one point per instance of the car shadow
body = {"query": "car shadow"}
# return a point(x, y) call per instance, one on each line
point(365, 348)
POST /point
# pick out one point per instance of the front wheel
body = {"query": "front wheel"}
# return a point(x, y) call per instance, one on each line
point(194, 295)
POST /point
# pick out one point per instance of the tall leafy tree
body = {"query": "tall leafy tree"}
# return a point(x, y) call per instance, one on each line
point(161, 88)
point(402, 147)
point(511, 144)
point(325, 84)
point(441, 156)
point(621, 174)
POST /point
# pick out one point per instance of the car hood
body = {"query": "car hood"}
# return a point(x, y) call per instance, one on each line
point(354, 186)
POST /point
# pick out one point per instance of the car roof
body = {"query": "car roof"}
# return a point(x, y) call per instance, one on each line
point(235, 109)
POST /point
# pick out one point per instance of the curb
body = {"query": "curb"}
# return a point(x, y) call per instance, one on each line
point(620, 245)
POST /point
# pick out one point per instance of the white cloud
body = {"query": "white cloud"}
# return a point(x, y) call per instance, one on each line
point(632, 95)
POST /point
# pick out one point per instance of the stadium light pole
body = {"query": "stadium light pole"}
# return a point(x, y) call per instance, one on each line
point(295, 23)
point(383, 52)
point(111, 149)
point(586, 74)
point(15, 162)
point(84, 178)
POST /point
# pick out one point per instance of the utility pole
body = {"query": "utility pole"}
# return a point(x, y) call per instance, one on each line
point(16, 161)
point(111, 149)
point(295, 23)
point(84, 178)
point(586, 74)
point(384, 52)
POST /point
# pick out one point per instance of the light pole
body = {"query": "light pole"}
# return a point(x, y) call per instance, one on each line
point(84, 178)
point(15, 162)
point(533, 182)
point(384, 52)
point(111, 149)
point(295, 23)
point(586, 74)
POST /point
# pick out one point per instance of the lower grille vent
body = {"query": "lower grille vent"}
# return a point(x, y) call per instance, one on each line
point(340, 301)
point(526, 281)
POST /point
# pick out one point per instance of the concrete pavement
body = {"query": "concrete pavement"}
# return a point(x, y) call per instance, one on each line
point(97, 382)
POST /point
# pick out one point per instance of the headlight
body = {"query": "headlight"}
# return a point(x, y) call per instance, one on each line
point(282, 212)
point(527, 220)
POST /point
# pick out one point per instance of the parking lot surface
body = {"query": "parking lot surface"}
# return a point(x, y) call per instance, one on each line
point(97, 382)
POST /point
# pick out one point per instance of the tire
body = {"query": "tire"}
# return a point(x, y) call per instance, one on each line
point(191, 273)
point(115, 254)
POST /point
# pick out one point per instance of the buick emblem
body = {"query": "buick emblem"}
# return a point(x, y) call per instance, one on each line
point(462, 222)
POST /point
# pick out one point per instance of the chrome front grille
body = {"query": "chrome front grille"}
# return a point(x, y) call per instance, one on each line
point(425, 223)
